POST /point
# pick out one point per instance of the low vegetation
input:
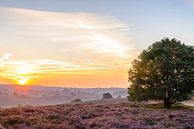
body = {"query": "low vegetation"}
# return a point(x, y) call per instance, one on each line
point(103, 114)
point(76, 100)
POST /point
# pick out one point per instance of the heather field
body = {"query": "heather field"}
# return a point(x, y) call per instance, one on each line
point(102, 114)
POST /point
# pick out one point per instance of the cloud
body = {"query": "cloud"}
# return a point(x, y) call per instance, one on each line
point(16, 70)
point(4, 58)
point(19, 70)
point(62, 43)
point(100, 34)
point(42, 68)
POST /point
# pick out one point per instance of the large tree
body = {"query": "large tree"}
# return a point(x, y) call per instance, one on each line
point(164, 71)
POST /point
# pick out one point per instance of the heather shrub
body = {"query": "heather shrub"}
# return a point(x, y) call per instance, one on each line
point(96, 115)
point(55, 118)
point(1, 127)
point(15, 122)
point(12, 120)
point(149, 121)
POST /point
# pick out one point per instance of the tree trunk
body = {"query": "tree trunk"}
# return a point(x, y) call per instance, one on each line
point(167, 104)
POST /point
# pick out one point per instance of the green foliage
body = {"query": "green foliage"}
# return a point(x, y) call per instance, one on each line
point(164, 71)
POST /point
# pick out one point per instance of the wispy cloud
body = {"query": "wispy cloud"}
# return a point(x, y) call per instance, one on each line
point(46, 67)
point(29, 69)
point(72, 30)
point(62, 43)
point(4, 58)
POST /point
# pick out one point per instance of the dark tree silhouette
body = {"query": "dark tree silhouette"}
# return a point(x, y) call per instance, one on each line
point(164, 71)
point(76, 100)
point(107, 96)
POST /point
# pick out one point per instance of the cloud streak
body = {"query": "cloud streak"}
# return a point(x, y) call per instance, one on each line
point(4, 58)
point(45, 68)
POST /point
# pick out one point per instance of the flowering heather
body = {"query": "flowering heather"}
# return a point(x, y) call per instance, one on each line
point(105, 114)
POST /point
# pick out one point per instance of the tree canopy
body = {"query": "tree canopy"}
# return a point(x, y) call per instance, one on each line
point(164, 71)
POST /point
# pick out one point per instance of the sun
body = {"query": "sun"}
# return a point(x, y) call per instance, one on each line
point(23, 74)
point(22, 81)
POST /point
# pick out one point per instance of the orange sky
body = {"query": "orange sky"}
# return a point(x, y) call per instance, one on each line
point(64, 49)
point(112, 80)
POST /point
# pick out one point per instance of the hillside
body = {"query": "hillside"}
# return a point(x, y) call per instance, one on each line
point(43, 95)
point(101, 114)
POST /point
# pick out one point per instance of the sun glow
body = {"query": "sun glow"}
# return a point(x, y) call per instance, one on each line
point(23, 74)
point(23, 70)
point(22, 81)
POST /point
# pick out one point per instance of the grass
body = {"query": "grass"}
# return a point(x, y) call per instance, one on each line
point(176, 106)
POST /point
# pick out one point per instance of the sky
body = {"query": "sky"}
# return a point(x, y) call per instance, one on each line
point(84, 43)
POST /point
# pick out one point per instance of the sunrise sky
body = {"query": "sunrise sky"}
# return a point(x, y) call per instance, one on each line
point(84, 43)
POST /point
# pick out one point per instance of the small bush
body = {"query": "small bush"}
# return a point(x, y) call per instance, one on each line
point(76, 100)
point(107, 96)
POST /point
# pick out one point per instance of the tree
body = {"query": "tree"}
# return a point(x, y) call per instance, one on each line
point(107, 96)
point(164, 71)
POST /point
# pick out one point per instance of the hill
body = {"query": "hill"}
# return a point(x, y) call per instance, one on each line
point(100, 114)
point(11, 96)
